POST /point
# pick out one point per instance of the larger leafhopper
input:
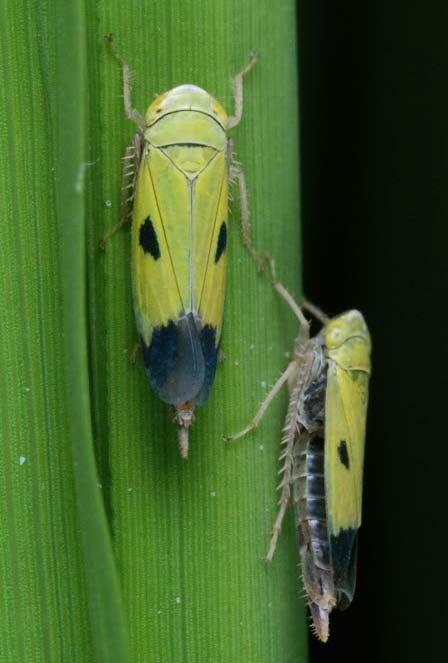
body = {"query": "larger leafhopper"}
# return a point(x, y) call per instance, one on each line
point(177, 173)
point(323, 454)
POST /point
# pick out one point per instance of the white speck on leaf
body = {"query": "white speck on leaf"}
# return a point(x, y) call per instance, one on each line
point(22, 460)
point(177, 600)
point(80, 177)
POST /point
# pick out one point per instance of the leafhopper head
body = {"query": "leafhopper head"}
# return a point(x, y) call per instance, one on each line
point(347, 341)
point(185, 98)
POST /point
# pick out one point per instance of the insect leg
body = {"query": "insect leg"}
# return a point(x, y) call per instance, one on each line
point(316, 312)
point(265, 404)
point(304, 324)
point(131, 162)
point(131, 112)
point(236, 174)
point(288, 440)
point(237, 85)
point(291, 432)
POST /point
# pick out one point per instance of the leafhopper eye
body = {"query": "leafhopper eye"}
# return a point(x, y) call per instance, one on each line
point(335, 334)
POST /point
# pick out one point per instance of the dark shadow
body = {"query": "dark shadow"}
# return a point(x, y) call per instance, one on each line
point(374, 108)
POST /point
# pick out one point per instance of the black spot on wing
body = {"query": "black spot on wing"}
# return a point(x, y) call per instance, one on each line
point(343, 454)
point(222, 241)
point(148, 239)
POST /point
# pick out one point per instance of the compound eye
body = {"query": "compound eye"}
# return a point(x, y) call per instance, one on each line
point(335, 334)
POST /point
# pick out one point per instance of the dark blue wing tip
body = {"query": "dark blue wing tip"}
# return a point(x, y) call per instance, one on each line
point(181, 360)
point(344, 557)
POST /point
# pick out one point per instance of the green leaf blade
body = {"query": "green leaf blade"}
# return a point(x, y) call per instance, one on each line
point(190, 537)
point(184, 576)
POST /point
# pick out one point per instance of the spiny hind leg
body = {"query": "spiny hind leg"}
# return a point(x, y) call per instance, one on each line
point(237, 85)
point(287, 457)
point(131, 161)
point(265, 404)
point(131, 112)
point(277, 527)
point(290, 437)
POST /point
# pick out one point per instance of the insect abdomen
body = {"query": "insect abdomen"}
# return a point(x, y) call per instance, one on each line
point(312, 529)
point(309, 499)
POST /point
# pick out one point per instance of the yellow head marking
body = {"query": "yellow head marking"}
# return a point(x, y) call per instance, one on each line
point(185, 97)
point(345, 326)
point(347, 341)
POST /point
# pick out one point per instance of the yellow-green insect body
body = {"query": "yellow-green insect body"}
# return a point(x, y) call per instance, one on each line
point(179, 233)
point(347, 350)
point(323, 453)
point(177, 171)
point(328, 463)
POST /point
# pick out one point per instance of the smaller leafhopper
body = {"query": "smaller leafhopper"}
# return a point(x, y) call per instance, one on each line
point(323, 452)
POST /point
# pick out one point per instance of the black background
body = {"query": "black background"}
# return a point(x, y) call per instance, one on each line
point(374, 122)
